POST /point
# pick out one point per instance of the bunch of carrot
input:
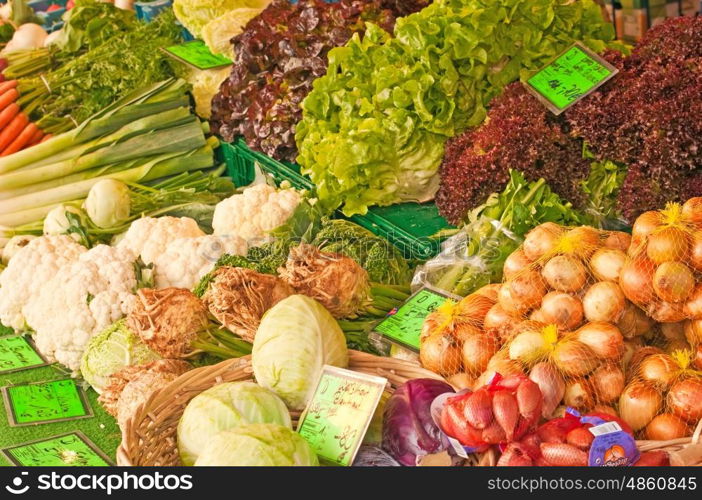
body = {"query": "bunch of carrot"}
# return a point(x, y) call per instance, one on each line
point(16, 131)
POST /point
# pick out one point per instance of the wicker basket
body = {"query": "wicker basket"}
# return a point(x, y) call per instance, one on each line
point(149, 437)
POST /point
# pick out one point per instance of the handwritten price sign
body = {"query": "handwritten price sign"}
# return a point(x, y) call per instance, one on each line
point(17, 353)
point(44, 402)
point(569, 77)
point(67, 450)
point(196, 53)
point(338, 415)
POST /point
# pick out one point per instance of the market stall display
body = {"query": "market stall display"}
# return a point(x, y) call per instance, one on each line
point(154, 293)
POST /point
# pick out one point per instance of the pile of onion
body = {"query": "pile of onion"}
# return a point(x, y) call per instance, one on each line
point(453, 342)
point(662, 274)
point(664, 397)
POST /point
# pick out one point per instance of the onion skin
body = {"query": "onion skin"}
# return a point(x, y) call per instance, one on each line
point(668, 244)
point(692, 210)
point(685, 399)
point(585, 239)
point(478, 409)
point(527, 347)
point(636, 280)
point(529, 400)
point(665, 312)
point(579, 394)
point(606, 264)
point(618, 240)
point(693, 306)
point(499, 321)
point(693, 331)
point(516, 263)
point(460, 381)
point(673, 282)
point(633, 322)
point(440, 354)
point(515, 455)
point(639, 404)
point(608, 383)
point(581, 438)
point(608, 410)
point(477, 351)
point(665, 427)
point(525, 292)
point(695, 257)
point(574, 358)
point(697, 362)
point(673, 331)
point(562, 309)
point(490, 291)
point(604, 339)
point(551, 384)
point(565, 273)
point(473, 308)
point(604, 301)
point(506, 411)
point(541, 240)
point(563, 455)
point(639, 355)
point(643, 226)
point(659, 370)
point(656, 458)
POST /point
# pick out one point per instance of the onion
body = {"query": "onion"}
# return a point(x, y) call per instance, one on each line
point(538, 316)
point(636, 280)
point(692, 210)
point(605, 340)
point(633, 322)
point(677, 345)
point(659, 370)
point(606, 264)
point(477, 351)
point(667, 244)
point(608, 410)
point(565, 273)
point(473, 308)
point(584, 240)
point(638, 357)
point(461, 381)
point(608, 382)
point(497, 320)
point(673, 331)
point(630, 347)
point(562, 309)
point(501, 364)
point(693, 331)
point(697, 361)
point(542, 240)
point(574, 358)
point(604, 301)
point(490, 291)
point(515, 264)
point(673, 282)
point(685, 399)
point(693, 306)
point(618, 240)
point(523, 293)
point(579, 394)
point(440, 354)
point(695, 257)
point(527, 346)
point(638, 404)
point(665, 427)
point(464, 331)
point(552, 386)
point(665, 312)
point(644, 225)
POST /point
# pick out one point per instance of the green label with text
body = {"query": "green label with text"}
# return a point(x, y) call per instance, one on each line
point(16, 353)
point(405, 325)
point(570, 77)
point(46, 401)
point(197, 54)
point(338, 415)
point(68, 450)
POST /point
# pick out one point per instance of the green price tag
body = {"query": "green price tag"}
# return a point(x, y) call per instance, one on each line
point(570, 77)
point(17, 353)
point(67, 450)
point(195, 53)
point(405, 325)
point(339, 413)
point(43, 402)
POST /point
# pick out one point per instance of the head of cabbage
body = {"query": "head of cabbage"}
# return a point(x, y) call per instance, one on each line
point(195, 14)
point(258, 445)
point(226, 407)
point(111, 350)
point(294, 340)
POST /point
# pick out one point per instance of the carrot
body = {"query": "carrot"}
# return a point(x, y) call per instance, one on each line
point(13, 129)
point(47, 137)
point(7, 114)
point(36, 138)
point(5, 86)
point(21, 140)
point(8, 98)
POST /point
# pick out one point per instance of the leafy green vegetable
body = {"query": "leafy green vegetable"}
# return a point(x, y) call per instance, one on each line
point(90, 24)
point(6, 32)
point(474, 257)
point(218, 32)
point(225, 407)
point(22, 13)
point(195, 14)
point(602, 189)
point(374, 127)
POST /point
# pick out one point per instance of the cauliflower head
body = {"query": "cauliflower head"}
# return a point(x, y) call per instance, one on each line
point(148, 237)
point(187, 260)
point(83, 298)
point(29, 269)
point(253, 214)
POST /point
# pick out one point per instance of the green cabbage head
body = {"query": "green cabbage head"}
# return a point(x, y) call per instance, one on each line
point(195, 14)
point(225, 407)
point(295, 339)
point(111, 350)
point(258, 445)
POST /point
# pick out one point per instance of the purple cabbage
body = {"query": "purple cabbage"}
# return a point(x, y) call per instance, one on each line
point(372, 456)
point(409, 432)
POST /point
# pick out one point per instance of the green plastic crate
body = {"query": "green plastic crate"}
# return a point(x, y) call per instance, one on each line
point(408, 226)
